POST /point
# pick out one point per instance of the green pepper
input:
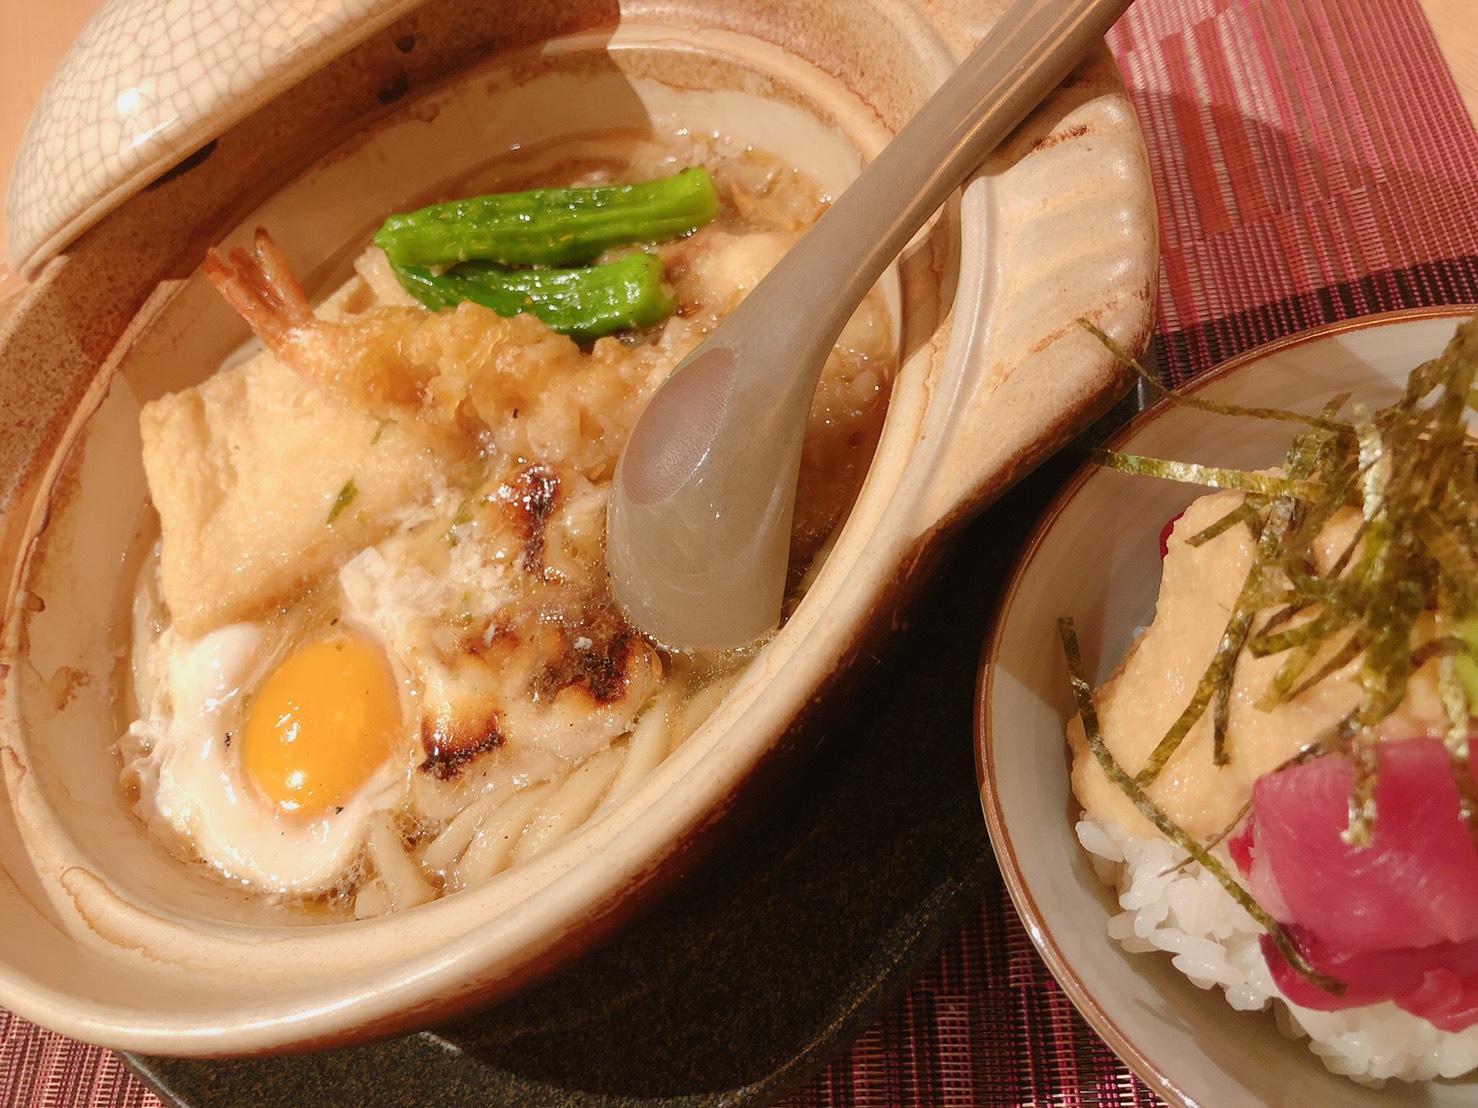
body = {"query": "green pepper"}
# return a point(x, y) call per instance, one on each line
point(550, 226)
point(583, 303)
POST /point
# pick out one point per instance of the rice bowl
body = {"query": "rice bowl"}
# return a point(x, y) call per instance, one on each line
point(1192, 1047)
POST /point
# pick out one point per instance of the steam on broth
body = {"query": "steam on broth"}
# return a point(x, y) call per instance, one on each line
point(374, 656)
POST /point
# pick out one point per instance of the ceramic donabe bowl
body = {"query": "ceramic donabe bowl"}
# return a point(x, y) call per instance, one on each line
point(110, 939)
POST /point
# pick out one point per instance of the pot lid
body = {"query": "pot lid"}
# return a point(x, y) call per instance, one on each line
point(147, 84)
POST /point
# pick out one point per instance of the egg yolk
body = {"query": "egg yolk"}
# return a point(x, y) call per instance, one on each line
point(321, 724)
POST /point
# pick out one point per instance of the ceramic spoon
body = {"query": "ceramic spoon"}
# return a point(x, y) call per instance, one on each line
point(698, 525)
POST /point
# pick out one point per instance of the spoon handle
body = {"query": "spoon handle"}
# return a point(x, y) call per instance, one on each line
point(1025, 55)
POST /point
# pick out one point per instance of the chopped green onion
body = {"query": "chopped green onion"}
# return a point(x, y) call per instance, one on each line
point(346, 497)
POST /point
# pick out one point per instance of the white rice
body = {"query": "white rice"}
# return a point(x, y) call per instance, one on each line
point(1182, 910)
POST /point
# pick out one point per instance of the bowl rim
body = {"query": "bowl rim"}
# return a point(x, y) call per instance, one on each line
point(1061, 967)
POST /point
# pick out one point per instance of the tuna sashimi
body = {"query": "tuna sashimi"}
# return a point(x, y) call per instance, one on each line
point(1437, 982)
point(1397, 919)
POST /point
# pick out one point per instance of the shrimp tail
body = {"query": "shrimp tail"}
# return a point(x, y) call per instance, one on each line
point(261, 288)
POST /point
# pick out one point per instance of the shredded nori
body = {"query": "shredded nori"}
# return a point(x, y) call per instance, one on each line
point(1411, 470)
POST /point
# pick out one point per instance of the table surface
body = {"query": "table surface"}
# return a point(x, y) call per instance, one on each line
point(1418, 244)
point(1457, 36)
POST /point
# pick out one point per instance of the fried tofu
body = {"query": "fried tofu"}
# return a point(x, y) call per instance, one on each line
point(238, 535)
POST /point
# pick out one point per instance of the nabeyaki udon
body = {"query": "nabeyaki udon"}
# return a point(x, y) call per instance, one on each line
point(375, 657)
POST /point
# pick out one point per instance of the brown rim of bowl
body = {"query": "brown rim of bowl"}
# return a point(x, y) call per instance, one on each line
point(1026, 905)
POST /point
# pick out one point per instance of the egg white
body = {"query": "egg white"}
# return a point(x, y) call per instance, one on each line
point(189, 770)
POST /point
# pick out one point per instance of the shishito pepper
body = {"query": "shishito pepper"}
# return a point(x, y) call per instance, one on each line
point(550, 226)
point(583, 303)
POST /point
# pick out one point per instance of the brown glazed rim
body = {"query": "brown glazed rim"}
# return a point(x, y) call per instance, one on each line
point(1042, 937)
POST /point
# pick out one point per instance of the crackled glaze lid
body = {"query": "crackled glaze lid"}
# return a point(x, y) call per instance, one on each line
point(146, 85)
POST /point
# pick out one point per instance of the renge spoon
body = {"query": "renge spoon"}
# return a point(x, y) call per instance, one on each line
point(698, 523)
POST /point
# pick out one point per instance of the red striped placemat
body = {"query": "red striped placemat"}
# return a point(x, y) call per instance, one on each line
point(41, 1070)
point(1312, 162)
